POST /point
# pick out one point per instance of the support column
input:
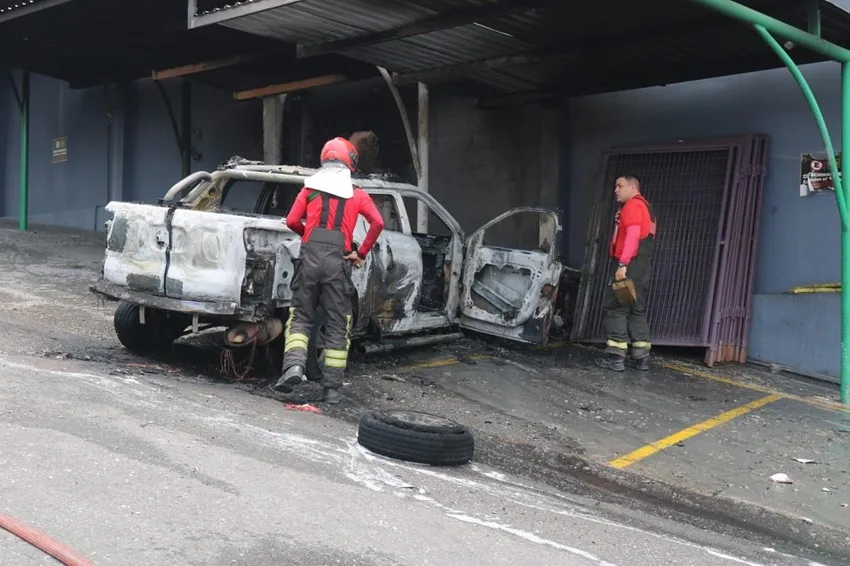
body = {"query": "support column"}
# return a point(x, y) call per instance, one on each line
point(186, 129)
point(549, 154)
point(23, 218)
point(423, 135)
point(118, 119)
point(273, 129)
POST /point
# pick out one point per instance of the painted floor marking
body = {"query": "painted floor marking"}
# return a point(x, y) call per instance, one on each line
point(815, 402)
point(822, 403)
point(691, 431)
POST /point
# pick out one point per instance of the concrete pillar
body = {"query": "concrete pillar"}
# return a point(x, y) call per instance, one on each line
point(273, 129)
point(117, 136)
point(548, 167)
point(422, 147)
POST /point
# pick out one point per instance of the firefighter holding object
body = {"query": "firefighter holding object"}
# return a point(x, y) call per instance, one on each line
point(632, 247)
point(323, 273)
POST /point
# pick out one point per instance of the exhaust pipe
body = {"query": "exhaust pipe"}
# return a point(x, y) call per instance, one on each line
point(391, 345)
point(246, 333)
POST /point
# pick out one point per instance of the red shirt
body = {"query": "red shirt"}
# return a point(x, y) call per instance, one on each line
point(634, 224)
point(360, 203)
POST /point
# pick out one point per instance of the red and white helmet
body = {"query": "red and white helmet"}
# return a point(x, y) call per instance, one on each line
point(339, 160)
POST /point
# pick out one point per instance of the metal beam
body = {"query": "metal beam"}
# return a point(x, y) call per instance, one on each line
point(11, 12)
point(465, 69)
point(239, 11)
point(813, 18)
point(455, 18)
point(293, 86)
point(195, 68)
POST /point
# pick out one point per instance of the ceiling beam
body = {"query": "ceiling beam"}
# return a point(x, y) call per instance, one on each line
point(11, 13)
point(293, 86)
point(451, 19)
point(226, 14)
point(195, 68)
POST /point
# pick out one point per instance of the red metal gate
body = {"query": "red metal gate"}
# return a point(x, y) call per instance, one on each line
point(707, 196)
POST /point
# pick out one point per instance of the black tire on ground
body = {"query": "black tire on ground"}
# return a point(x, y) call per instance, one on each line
point(416, 437)
point(158, 332)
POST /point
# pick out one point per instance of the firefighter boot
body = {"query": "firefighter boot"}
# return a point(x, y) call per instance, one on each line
point(290, 378)
point(640, 358)
point(613, 362)
point(332, 395)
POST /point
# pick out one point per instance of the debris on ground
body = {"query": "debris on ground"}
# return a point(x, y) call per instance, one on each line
point(781, 478)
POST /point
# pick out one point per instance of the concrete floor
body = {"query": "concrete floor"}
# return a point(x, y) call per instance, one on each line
point(134, 460)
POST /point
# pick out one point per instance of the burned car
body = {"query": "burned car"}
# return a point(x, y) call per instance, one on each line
point(215, 251)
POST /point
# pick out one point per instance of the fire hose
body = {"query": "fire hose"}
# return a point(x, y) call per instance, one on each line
point(43, 542)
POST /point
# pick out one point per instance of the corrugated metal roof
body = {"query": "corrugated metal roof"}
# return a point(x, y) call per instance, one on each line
point(606, 44)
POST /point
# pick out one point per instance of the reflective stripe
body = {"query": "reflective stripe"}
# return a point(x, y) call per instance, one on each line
point(642, 345)
point(296, 341)
point(620, 345)
point(336, 358)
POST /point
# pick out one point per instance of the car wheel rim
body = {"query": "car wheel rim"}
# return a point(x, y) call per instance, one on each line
point(420, 418)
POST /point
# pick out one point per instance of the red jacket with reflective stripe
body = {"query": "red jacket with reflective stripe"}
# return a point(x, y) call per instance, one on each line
point(360, 203)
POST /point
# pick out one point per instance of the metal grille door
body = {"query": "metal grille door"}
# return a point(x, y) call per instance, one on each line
point(706, 198)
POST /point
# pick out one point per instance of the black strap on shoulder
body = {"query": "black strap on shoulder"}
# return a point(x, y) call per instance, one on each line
point(326, 210)
point(648, 207)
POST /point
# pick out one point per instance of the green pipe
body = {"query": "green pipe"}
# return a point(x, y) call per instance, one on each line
point(845, 238)
point(749, 16)
point(23, 216)
point(813, 105)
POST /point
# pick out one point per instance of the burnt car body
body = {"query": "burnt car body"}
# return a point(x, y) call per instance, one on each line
point(215, 251)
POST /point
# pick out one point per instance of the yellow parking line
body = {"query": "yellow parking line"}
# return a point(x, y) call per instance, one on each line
point(822, 403)
point(673, 439)
point(440, 363)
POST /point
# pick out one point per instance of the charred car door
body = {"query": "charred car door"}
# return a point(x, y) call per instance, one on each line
point(507, 291)
point(395, 280)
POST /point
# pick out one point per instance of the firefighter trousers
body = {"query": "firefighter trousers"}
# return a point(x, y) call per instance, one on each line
point(322, 278)
point(625, 323)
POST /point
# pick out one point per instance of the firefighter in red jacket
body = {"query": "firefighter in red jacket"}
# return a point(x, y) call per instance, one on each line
point(632, 247)
point(323, 273)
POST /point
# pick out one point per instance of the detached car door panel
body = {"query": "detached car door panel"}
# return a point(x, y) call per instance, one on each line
point(510, 292)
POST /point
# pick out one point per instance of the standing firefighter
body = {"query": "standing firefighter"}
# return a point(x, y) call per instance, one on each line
point(323, 274)
point(632, 246)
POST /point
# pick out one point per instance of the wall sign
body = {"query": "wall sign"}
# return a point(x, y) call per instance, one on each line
point(60, 150)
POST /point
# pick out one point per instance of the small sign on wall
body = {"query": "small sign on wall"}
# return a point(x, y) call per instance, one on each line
point(815, 174)
point(60, 150)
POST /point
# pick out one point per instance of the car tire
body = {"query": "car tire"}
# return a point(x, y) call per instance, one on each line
point(159, 331)
point(416, 437)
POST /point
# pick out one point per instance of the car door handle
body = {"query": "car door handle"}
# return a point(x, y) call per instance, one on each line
point(391, 264)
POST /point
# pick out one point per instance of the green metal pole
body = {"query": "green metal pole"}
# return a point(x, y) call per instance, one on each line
point(749, 16)
point(23, 217)
point(816, 111)
point(845, 235)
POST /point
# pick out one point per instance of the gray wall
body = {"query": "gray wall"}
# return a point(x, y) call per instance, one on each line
point(73, 193)
point(799, 237)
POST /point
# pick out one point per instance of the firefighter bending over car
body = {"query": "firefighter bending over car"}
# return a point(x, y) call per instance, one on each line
point(322, 275)
point(632, 246)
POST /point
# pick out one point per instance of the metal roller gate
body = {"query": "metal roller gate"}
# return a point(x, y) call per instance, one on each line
point(707, 196)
